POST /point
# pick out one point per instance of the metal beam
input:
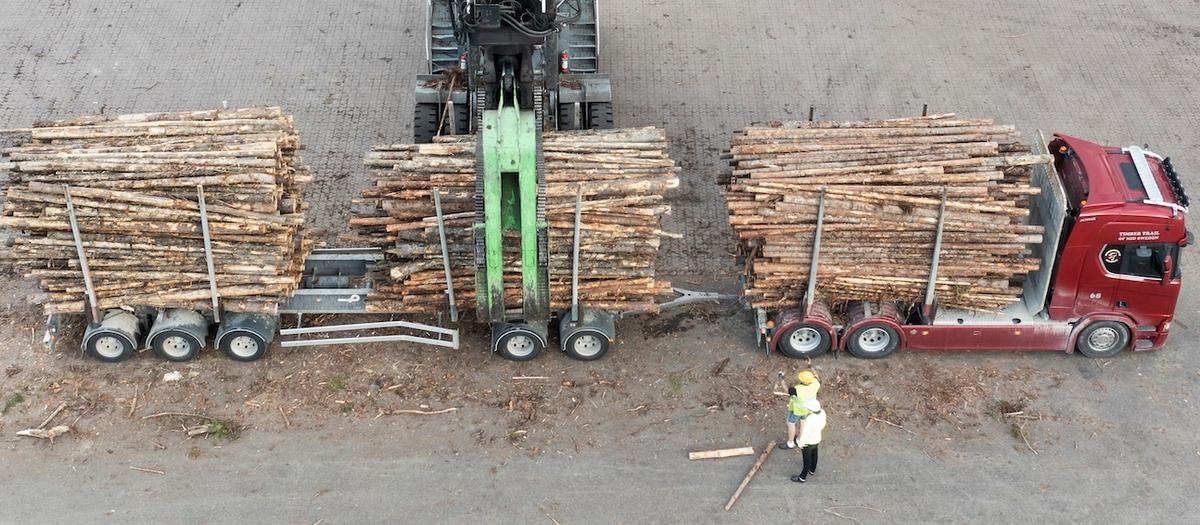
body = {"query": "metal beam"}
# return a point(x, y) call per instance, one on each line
point(809, 295)
point(83, 263)
point(930, 287)
point(452, 342)
point(575, 255)
point(208, 257)
point(441, 223)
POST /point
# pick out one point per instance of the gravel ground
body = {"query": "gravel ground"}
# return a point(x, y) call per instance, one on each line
point(315, 434)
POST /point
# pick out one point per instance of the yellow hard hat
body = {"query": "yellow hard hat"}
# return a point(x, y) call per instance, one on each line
point(806, 377)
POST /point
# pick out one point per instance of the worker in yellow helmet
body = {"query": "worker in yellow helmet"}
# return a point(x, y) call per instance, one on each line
point(810, 437)
point(804, 390)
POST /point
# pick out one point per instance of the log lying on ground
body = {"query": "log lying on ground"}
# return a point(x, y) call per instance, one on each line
point(134, 183)
point(883, 183)
point(621, 174)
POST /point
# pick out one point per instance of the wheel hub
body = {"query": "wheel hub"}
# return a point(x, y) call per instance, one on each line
point(1103, 338)
point(874, 340)
point(519, 345)
point(243, 346)
point(176, 346)
point(587, 345)
point(805, 339)
point(109, 346)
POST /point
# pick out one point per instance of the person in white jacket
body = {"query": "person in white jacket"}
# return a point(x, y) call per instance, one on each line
point(810, 437)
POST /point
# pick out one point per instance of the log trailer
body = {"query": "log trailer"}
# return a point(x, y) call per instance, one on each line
point(1108, 281)
point(501, 69)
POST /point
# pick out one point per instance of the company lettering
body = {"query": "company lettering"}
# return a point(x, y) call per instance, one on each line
point(1138, 236)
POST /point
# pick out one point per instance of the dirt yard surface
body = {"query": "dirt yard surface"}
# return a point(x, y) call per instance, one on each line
point(398, 433)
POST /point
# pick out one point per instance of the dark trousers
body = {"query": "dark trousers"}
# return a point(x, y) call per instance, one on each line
point(809, 452)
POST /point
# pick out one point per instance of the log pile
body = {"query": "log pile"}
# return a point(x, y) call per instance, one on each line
point(621, 174)
point(135, 183)
point(883, 183)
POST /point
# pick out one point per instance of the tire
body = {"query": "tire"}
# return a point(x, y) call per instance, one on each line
point(873, 341)
point(519, 345)
point(804, 340)
point(109, 347)
point(243, 346)
point(425, 122)
point(175, 345)
point(566, 117)
point(462, 120)
point(1103, 339)
point(600, 115)
point(587, 345)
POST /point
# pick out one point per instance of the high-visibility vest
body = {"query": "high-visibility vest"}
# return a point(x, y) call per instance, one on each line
point(810, 433)
point(803, 393)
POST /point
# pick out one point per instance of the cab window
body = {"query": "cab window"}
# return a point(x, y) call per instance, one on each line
point(1140, 260)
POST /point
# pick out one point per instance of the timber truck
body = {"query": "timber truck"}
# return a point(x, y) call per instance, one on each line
point(1108, 280)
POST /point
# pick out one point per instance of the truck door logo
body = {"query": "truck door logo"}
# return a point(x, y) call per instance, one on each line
point(1112, 255)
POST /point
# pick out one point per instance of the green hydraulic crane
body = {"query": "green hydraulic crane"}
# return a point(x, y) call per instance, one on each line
point(506, 70)
point(513, 192)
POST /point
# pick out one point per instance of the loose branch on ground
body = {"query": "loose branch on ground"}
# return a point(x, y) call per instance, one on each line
point(180, 414)
point(52, 415)
point(133, 405)
point(422, 412)
point(831, 510)
point(886, 422)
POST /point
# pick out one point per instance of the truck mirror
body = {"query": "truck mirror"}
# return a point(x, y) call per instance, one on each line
point(1167, 269)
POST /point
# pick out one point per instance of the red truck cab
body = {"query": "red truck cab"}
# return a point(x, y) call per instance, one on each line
point(1108, 281)
point(1123, 234)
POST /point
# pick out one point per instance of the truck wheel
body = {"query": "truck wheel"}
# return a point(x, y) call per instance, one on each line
point(175, 345)
point(566, 117)
point(462, 121)
point(873, 341)
point(1103, 339)
point(804, 340)
point(587, 345)
point(109, 347)
point(519, 345)
point(425, 122)
point(243, 346)
point(600, 115)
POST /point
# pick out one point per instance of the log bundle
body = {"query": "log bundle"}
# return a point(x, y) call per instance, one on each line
point(622, 176)
point(135, 183)
point(883, 183)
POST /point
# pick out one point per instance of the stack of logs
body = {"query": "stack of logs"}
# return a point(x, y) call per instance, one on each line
point(135, 183)
point(621, 174)
point(883, 183)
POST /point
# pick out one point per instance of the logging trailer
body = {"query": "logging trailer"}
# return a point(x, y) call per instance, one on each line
point(503, 70)
point(1109, 276)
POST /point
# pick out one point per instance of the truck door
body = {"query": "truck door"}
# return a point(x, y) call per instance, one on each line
point(1096, 287)
point(1141, 290)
